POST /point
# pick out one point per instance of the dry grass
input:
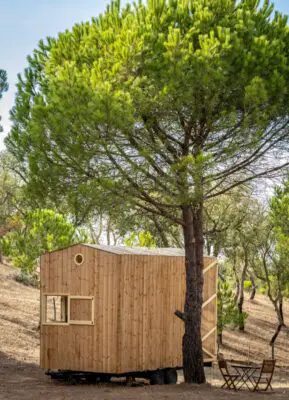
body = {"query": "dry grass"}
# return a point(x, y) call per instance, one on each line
point(19, 318)
point(253, 344)
point(21, 378)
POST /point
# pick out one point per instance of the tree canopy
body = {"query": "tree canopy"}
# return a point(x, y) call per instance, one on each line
point(39, 231)
point(116, 98)
point(161, 107)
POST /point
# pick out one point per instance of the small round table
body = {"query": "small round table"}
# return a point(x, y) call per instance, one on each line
point(246, 372)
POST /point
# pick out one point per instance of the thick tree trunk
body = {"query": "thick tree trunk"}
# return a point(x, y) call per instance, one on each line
point(192, 340)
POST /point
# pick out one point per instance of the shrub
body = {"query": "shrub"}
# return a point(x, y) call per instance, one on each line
point(262, 290)
point(28, 280)
point(247, 285)
point(39, 231)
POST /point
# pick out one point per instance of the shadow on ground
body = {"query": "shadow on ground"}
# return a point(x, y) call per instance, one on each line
point(22, 380)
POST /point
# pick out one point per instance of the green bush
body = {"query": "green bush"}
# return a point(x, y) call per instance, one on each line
point(247, 285)
point(28, 280)
point(227, 312)
point(262, 290)
point(39, 231)
point(226, 306)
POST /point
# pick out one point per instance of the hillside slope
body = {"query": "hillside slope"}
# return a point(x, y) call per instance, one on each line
point(19, 319)
point(253, 344)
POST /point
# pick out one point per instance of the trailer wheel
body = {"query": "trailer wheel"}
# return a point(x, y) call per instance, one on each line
point(93, 379)
point(157, 378)
point(170, 376)
point(104, 378)
point(72, 380)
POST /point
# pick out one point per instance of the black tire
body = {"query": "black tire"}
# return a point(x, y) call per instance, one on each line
point(72, 380)
point(93, 379)
point(170, 376)
point(157, 378)
point(104, 378)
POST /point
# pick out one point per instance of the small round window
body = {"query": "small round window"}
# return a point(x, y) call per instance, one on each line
point(78, 259)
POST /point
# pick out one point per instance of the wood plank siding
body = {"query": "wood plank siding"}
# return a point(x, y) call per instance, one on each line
point(121, 304)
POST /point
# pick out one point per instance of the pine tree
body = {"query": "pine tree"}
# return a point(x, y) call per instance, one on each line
point(160, 106)
point(3, 86)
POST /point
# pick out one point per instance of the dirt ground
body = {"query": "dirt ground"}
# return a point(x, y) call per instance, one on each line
point(26, 381)
point(21, 377)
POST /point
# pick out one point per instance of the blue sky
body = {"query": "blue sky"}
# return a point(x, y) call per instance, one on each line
point(24, 22)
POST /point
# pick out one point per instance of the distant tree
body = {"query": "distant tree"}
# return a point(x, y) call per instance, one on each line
point(142, 239)
point(162, 106)
point(223, 216)
point(163, 231)
point(228, 314)
point(39, 231)
point(3, 86)
point(3, 82)
point(272, 266)
point(11, 197)
point(279, 208)
point(240, 248)
point(114, 227)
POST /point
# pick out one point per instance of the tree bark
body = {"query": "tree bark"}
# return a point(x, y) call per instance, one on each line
point(277, 304)
point(274, 338)
point(192, 340)
point(240, 310)
point(241, 293)
point(281, 315)
point(236, 297)
point(278, 307)
point(220, 338)
point(254, 288)
point(180, 315)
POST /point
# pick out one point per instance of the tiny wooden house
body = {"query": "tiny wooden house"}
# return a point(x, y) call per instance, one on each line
point(111, 309)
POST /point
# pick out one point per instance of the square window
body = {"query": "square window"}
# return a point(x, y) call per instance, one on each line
point(66, 309)
point(81, 310)
point(55, 309)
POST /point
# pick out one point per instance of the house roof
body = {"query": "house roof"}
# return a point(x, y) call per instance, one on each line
point(144, 251)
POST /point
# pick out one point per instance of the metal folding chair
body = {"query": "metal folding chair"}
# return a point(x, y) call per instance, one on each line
point(229, 378)
point(265, 377)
